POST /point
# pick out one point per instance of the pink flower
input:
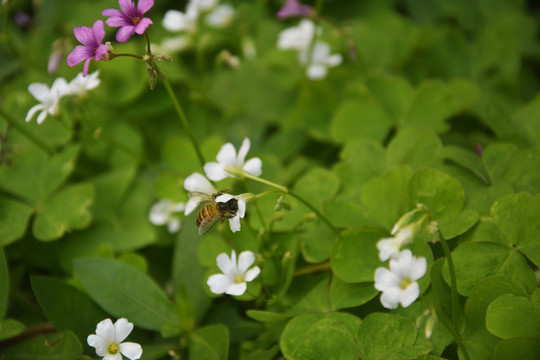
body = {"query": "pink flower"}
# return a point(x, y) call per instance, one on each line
point(92, 47)
point(130, 19)
point(292, 8)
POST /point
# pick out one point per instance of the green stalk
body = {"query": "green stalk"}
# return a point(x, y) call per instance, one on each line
point(455, 299)
point(37, 141)
point(184, 121)
point(286, 191)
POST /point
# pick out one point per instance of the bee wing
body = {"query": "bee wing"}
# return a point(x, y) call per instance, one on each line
point(203, 229)
point(200, 198)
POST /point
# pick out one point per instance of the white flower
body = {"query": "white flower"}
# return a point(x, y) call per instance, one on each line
point(398, 285)
point(227, 157)
point(234, 222)
point(80, 85)
point(163, 212)
point(171, 45)
point(234, 277)
point(108, 340)
point(318, 60)
point(203, 5)
point(198, 186)
point(175, 20)
point(221, 16)
point(297, 37)
point(391, 247)
point(49, 98)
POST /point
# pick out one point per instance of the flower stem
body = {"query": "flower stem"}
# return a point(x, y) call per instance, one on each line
point(293, 194)
point(37, 141)
point(184, 121)
point(455, 299)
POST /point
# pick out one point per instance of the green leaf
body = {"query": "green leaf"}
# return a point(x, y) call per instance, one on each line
point(355, 256)
point(475, 261)
point(441, 193)
point(267, 316)
point(511, 316)
point(33, 176)
point(211, 342)
point(529, 232)
point(66, 307)
point(362, 117)
point(66, 210)
point(519, 173)
point(320, 336)
point(126, 292)
point(388, 336)
point(394, 93)
point(4, 284)
point(314, 297)
point(14, 216)
point(457, 225)
point(517, 348)
point(317, 185)
point(10, 328)
point(508, 213)
point(317, 241)
point(384, 195)
point(61, 346)
point(483, 294)
point(497, 159)
point(415, 147)
point(468, 160)
point(346, 295)
point(179, 155)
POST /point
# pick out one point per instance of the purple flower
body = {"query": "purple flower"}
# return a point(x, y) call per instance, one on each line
point(292, 8)
point(130, 19)
point(92, 47)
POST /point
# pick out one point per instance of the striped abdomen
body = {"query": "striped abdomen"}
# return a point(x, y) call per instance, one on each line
point(207, 215)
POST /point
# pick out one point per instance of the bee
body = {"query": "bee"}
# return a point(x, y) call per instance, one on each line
point(213, 210)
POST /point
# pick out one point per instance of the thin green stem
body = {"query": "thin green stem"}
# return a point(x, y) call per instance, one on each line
point(287, 191)
point(184, 121)
point(455, 298)
point(314, 209)
point(37, 141)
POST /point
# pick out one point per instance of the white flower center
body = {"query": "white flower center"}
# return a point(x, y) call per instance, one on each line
point(112, 349)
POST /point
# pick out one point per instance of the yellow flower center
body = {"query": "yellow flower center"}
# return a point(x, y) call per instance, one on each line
point(405, 283)
point(113, 349)
point(239, 279)
point(136, 20)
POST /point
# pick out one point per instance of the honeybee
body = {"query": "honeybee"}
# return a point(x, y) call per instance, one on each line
point(213, 210)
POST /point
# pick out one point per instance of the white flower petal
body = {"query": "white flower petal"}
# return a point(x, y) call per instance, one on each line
point(241, 208)
point(234, 224)
point(386, 249)
point(410, 294)
point(402, 263)
point(33, 110)
point(252, 273)
point(316, 71)
point(175, 20)
point(190, 206)
point(390, 298)
point(117, 356)
point(334, 60)
point(224, 198)
point(253, 166)
point(385, 279)
point(418, 268)
point(237, 289)
point(98, 343)
point(39, 91)
point(245, 260)
point(227, 155)
point(227, 265)
point(131, 350)
point(246, 144)
point(105, 329)
point(159, 212)
point(219, 283)
point(174, 225)
point(198, 183)
point(215, 171)
point(122, 329)
point(41, 117)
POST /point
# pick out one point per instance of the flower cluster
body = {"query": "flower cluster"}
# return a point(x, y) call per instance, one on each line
point(129, 19)
point(314, 54)
point(398, 284)
point(108, 340)
point(49, 97)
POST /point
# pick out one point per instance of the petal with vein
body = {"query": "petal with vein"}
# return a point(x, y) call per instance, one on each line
point(131, 350)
